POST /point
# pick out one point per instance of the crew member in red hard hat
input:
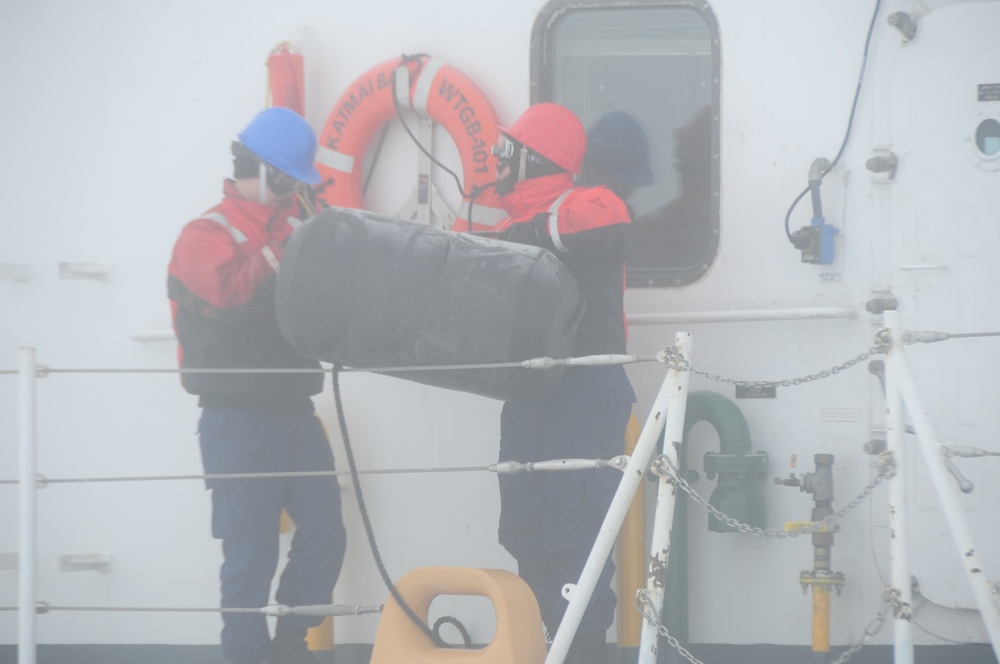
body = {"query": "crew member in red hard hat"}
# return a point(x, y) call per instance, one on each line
point(549, 521)
point(221, 286)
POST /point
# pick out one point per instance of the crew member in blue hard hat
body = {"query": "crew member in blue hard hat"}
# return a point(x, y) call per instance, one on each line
point(221, 287)
point(617, 155)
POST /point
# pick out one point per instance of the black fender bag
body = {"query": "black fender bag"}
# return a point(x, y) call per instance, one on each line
point(368, 291)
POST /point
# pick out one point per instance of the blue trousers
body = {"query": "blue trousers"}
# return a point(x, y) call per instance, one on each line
point(549, 520)
point(246, 516)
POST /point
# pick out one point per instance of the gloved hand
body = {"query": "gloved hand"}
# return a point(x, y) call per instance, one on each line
point(534, 232)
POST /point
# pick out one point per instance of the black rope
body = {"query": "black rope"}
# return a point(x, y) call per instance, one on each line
point(475, 191)
point(367, 522)
point(472, 198)
point(466, 639)
point(850, 120)
point(416, 141)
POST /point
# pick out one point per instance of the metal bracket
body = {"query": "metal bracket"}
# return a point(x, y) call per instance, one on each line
point(82, 562)
point(821, 580)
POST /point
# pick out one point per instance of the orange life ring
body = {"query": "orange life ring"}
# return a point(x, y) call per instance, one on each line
point(436, 90)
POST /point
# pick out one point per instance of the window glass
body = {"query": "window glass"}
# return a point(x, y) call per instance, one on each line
point(654, 66)
point(988, 137)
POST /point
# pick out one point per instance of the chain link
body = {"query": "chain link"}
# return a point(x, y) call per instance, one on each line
point(900, 609)
point(651, 616)
point(674, 360)
point(873, 628)
point(664, 464)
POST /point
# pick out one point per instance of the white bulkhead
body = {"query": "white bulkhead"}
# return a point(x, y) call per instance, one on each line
point(117, 118)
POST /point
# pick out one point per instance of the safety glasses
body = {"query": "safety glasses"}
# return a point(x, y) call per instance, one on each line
point(504, 148)
point(281, 183)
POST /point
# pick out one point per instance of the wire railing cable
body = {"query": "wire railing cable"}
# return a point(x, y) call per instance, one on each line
point(501, 468)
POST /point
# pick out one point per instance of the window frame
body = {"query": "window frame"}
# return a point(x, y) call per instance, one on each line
point(542, 75)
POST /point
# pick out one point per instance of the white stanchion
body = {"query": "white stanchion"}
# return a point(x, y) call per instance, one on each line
point(27, 376)
point(666, 496)
point(899, 553)
point(898, 371)
point(579, 595)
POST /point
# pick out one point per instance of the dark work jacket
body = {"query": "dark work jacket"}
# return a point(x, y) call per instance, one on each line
point(221, 283)
point(586, 229)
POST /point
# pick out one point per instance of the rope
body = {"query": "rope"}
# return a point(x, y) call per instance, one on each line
point(466, 639)
point(399, 115)
point(367, 522)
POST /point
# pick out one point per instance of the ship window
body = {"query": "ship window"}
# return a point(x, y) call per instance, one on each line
point(657, 62)
point(988, 137)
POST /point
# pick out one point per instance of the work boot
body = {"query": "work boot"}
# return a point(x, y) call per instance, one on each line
point(292, 652)
point(588, 648)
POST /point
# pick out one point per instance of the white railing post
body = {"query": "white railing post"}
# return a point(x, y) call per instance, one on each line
point(580, 594)
point(899, 553)
point(27, 485)
point(898, 370)
point(666, 497)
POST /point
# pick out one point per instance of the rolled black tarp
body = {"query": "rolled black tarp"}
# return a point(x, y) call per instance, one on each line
point(368, 291)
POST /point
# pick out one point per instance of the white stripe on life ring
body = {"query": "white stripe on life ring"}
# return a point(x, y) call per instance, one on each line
point(338, 161)
point(424, 82)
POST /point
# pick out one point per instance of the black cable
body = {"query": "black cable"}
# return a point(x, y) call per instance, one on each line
point(367, 522)
point(472, 198)
point(471, 195)
point(850, 120)
point(788, 215)
point(466, 639)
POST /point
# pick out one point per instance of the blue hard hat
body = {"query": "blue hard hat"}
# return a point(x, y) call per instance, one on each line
point(618, 143)
point(284, 140)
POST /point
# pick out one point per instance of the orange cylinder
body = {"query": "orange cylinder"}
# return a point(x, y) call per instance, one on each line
point(286, 79)
point(631, 556)
point(821, 619)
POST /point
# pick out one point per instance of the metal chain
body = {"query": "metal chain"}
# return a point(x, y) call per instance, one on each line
point(873, 628)
point(900, 609)
point(674, 360)
point(665, 465)
point(651, 616)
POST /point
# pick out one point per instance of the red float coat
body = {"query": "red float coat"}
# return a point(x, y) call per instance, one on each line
point(587, 231)
point(221, 283)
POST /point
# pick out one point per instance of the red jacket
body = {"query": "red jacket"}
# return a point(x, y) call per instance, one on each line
point(221, 282)
point(586, 228)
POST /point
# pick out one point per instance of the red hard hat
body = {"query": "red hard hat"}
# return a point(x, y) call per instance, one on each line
point(554, 132)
